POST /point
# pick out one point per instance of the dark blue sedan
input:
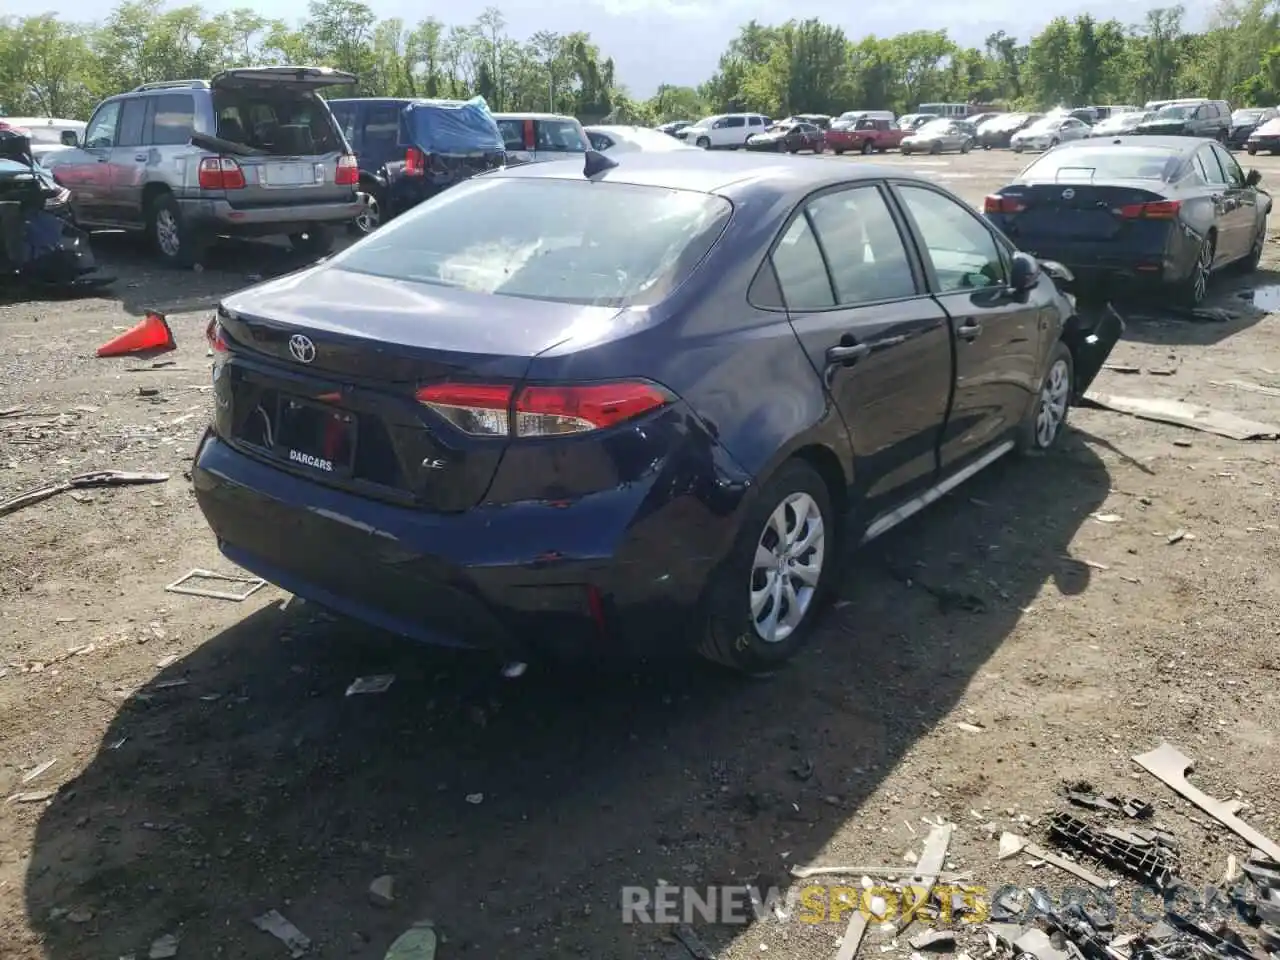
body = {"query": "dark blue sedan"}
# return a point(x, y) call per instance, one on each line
point(633, 408)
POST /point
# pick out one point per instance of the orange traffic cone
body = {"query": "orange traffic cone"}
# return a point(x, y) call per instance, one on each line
point(152, 334)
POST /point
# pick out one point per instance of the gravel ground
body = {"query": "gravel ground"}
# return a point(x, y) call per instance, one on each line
point(209, 767)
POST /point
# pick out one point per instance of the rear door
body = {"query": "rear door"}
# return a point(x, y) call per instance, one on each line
point(1226, 215)
point(856, 298)
point(996, 332)
point(129, 160)
point(1241, 202)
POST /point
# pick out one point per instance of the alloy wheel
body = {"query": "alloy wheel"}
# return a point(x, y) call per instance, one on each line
point(1054, 397)
point(370, 216)
point(167, 235)
point(787, 567)
point(1200, 278)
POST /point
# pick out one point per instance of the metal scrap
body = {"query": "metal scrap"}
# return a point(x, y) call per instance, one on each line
point(1137, 856)
point(99, 478)
point(1181, 414)
point(1170, 767)
point(1012, 844)
point(252, 585)
point(1131, 807)
point(295, 941)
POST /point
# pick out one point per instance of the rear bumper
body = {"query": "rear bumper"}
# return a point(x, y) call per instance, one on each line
point(222, 217)
point(607, 574)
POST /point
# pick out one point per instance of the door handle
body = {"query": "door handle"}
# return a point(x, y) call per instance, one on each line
point(969, 330)
point(847, 353)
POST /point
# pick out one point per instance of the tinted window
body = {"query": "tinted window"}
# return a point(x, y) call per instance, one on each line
point(101, 131)
point(599, 141)
point(382, 126)
point(512, 133)
point(345, 115)
point(1235, 176)
point(570, 241)
point(863, 246)
point(133, 116)
point(559, 136)
point(174, 119)
point(964, 253)
point(797, 260)
point(756, 121)
point(1213, 172)
point(1103, 163)
point(734, 122)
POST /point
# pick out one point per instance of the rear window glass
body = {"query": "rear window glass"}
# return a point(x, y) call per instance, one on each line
point(559, 136)
point(571, 241)
point(283, 122)
point(512, 133)
point(174, 118)
point(1103, 163)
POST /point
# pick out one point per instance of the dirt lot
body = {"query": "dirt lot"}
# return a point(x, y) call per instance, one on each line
point(209, 767)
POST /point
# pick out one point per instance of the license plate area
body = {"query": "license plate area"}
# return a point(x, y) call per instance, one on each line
point(316, 437)
point(288, 174)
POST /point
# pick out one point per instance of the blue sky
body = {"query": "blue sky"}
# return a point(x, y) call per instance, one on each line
point(679, 41)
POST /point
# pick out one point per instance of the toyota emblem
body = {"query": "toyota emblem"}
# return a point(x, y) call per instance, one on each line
point(303, 350)
point(1068, 193)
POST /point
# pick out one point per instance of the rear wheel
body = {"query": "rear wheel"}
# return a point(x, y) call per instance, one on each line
point(316, 242)
point(1192, 291)
point(173, 238)
point(838, 151)
point(762, 605)
point(370, 217)
point(936, 147)
point(1053, 143)
point(1250, 263)
point(906, 151)
point(703, 143)
point(867, 148)
point(966, 146)
point(1042, 427)
point(1253, 151)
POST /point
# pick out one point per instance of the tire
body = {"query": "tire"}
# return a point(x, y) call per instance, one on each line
point(731, 628)
point(1053, 143)
point(1253, 151)
point(702, 143)
point(986, 146)
point(1017, 148)
point(316, 242)
point(966, 146)
point(838, 151)
point(371, 215)
point(1250, 263)
point(906, 151)
point(867, 148)
point(1044, 422)
point(935, 147)
point(172, 237)
point(1192, 291)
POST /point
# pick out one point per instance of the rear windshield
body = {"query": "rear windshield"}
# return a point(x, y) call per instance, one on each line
point(284, 122)
point(1103, 163)
point(570, 241)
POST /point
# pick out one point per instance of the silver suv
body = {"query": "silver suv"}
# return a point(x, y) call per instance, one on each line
point(252, 152)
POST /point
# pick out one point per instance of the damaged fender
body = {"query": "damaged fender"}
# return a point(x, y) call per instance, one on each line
point(1090, 332)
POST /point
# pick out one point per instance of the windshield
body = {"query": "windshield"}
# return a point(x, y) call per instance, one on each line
point(569, 241)
point(1102, 163)
point(1247, 116)
point(1045, 125)
point(934, 127)
point(1176, 111)
point(702, 124)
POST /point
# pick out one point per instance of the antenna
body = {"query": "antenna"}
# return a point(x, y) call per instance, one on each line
point(596, 164)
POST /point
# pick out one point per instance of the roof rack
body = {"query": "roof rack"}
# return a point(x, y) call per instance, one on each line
point(172, 85)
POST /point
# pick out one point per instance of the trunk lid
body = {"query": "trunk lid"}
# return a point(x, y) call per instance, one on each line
point(1077, 211)
point(323, 366)
point(297, 78)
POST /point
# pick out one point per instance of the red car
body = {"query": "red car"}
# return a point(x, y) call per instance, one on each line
point(867, 135)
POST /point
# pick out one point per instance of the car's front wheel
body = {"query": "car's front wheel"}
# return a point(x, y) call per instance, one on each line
point(867, 147)
point(1048, 414)
point(763, 603)
point(703, 143)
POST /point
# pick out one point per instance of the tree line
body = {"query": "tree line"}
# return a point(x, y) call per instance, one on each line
point(54, 67)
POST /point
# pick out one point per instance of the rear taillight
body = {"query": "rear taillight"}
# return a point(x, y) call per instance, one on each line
point(415, 162)
point(213, 333)
point(1157, 210)
point(348, 172)
point(220, 173)
point(995, 203)
point(485, 410)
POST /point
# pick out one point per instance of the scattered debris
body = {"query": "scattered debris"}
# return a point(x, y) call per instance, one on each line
point(169, 684)
point(380, 683)
point(1162, 371)
point(514, 670)
point(294, 939)
point(1011, 845)
point(252, 584)
point(416, 943)
point(80, 916)
point(1177, 536)
point(100, 478)
point(1136, 855)
point(1108, 517)
point(1121, 368)
point(690, 941)
point(804, 873)
point(1170, 767)
point(35, 796)
point(475, 799)
point(970, 727)
point(933, 940)
point(162, 948)
point(13, 412)
point(1131, 807)
point(168, 661)
point(853, 935)
point(929, 868)
point(32, 774)
point(1247, 386)
point(381, 891)
point(1186, 415)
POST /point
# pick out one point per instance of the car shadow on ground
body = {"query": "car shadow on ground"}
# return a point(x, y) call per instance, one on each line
point(512, 813)
point(1235, 303)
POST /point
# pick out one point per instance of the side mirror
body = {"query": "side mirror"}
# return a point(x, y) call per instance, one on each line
point(69, 138)
point(1253, 178)
point(1025, 273)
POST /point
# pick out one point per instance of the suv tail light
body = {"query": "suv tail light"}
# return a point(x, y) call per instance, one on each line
point(485, 410)
point(213, 333)
point(348, 172)
point(995, 203)
point(1157, 210)
point(220, 173)
point(415, 162)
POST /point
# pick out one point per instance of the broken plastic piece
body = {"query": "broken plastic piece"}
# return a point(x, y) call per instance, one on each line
point(295, 941)
point(1144, 859)
point(380, 683)
point(253, 585)
point(416, 943)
